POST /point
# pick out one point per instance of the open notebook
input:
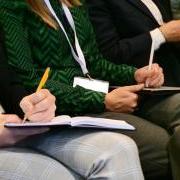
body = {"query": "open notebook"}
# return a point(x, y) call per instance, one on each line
point(79, 121)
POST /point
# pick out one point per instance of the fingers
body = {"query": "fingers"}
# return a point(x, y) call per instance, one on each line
point(131, 102)
point(45, 104)
point(156, 82)
point(43, 116)
point(39, 96)
point(121, 100)
point(134, 88)
point(152, 77)
point(155, 77)
point(127, 107)
point(153, 71)
point(39, 106)
point(28, 102)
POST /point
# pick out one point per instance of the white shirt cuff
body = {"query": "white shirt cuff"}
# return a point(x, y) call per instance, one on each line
point(1, 109)
point(157, 37)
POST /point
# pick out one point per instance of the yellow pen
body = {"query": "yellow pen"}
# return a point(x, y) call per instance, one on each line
point(41, 84)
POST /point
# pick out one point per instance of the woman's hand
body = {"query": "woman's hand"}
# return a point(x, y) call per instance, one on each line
point(154, 77)
point(39, 106)
point(123, 99)
point(9, 137)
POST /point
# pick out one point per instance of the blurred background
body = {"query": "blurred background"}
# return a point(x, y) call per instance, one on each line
point(176, 8)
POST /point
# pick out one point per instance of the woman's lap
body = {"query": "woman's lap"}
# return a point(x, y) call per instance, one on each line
point(90, 153)
point(25, 164)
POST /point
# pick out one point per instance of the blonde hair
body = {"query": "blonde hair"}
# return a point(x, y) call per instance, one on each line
point(40, 8)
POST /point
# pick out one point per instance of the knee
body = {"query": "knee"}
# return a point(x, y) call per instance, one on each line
point(119, 155)
point(174, 144)
point(117, 142)
point(174, 149)
point(122, 150)
point(117, 148)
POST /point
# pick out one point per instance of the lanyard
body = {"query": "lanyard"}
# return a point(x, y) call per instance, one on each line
point(154, 10)
point(80, 58)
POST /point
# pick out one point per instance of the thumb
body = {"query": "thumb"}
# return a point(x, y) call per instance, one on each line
point(135, 88)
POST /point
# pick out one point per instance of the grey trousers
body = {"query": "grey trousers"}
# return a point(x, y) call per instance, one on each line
point(89, 153)
point(26, 164)
point(165, 111)
point(92, 154)
point(152, 141)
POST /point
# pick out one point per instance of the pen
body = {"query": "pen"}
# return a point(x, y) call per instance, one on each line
point(41, 84)
point(150, 61)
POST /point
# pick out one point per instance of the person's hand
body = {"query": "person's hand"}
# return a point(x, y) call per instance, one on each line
point(171, 31)
point(154, 77)
point(39, 106)
point(9, 137)
point(123, 99)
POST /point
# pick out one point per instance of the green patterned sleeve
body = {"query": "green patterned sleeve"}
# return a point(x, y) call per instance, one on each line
point(72, 101)
point(102, 68)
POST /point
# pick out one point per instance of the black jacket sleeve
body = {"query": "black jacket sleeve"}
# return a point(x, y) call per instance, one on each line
point(114, 36)
point(11, 91)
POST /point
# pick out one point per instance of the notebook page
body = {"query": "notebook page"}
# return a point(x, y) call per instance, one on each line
point(85, 121)
point(58, 120)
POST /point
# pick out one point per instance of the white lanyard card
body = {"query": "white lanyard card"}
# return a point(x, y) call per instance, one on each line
point(92, 84)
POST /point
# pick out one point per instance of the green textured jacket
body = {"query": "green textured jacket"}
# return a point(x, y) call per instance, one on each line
point(32, 46)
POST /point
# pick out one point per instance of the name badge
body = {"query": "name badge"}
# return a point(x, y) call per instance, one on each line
point(92, 84)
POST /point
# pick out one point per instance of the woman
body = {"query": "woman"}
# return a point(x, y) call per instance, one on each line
point(40, 106)
point(34, 164)
point(22, 163)
point(40, 42)
point(11, 157)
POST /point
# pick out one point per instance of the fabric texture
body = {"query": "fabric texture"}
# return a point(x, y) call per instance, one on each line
point(85, 152)
point(26, 164)
point(76, 148)
point(165, 111)
point(122, 31)
point(157, 38)
point(11, 90)
point(32, 46)
point(152, 150)
point(127, 36)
